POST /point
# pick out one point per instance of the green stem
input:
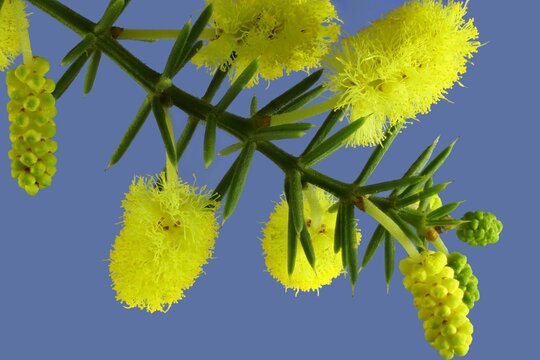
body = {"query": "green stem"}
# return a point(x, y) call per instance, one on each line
point(156, 34)
point(391, 226)
point(171, 165)
point(439, 245)
point(302, 114)
point(147, 34)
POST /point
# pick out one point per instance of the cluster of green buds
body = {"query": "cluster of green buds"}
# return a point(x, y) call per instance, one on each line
point(481, 228)
point(31, 114)
point(468, 282)
point(439, 300)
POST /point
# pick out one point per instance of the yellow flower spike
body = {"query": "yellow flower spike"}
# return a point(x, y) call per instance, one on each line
point(286, 36)
point(321, 228)
point(401, 65)
point(12, 21)
point(167, 236)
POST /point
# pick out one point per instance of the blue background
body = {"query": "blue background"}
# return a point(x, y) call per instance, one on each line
point(55, 296)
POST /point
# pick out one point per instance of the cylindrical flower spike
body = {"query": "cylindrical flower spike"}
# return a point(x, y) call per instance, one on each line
point(167, 237)
point(12, 21)
point(439, 301)
point(468, 282)
point(285, 35)
point(321, 226)
point(481, 229)
point(402, 64)
point(31, 112)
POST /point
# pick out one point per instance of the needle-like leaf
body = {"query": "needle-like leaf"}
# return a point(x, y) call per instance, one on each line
point(238, 179)
point(132, 131)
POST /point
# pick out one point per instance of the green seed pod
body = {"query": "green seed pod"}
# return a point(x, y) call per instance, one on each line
point(31, 112)
point(440, 301)
point(481, 229)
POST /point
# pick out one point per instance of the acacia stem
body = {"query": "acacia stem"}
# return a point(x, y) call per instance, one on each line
point(389, 224)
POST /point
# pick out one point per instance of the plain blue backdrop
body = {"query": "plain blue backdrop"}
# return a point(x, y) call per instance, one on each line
point(56, 301)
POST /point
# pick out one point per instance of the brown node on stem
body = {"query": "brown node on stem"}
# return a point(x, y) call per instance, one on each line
point(116, 32)
point(263, 122)
point(432, 234)
point(359, 203)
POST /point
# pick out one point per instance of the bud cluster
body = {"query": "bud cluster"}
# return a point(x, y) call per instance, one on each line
point(468, 282)
point(439, 300)
point(481, 228)
point(31, 112)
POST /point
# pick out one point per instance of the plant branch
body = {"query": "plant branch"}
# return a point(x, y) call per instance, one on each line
point(149, 79)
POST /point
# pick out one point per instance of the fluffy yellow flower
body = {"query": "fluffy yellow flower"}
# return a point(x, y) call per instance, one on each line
point(167, 237)
point(321, 227)
point(12, 16)
point(402, 64)
point(286, 35)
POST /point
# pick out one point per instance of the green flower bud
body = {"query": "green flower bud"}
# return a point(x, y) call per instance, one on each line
point(481, 229)
point(26, 179)
point(19, 146)
point(35, 82)
point(31, 189)
point(40, 119)
point(13, 107)
point(22, 120)
point(41, 66)
point(31, 103)
point(38, 169)
point(32, 137)
point(47, 100)
point(12, 154)
point(49, 160)
point(49, 85)
point(28, 159)
point(44, 180)
point(22, 72)
point(48, 130)
point(467, 281)
point(51, 170)
point(41, 148)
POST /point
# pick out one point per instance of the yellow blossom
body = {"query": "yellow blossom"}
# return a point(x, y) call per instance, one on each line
point(168, 235)
point(12, 20)
point(321, 227)
point(401, 65)
point(285, 35)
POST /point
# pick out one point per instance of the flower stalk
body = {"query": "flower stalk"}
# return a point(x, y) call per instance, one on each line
point(389, 224)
